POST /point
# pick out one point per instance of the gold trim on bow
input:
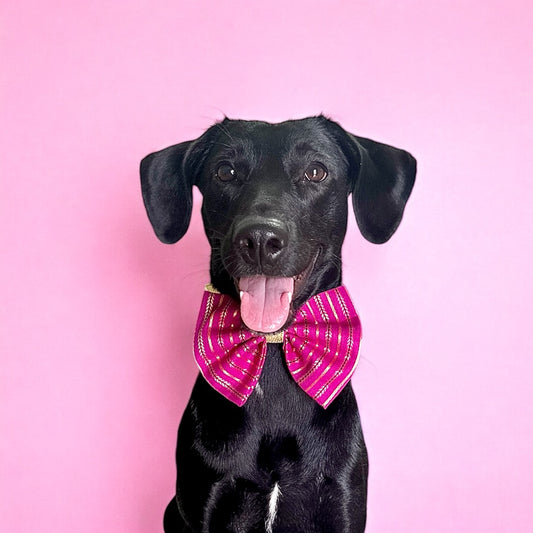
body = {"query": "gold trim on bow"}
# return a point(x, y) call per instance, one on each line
point(211, 288)
point(274, 338)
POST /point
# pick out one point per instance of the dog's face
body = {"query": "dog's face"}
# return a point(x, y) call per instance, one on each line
point(275, 211)
point(275, 205)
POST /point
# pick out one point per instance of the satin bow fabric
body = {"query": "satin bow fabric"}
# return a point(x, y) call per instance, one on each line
point(321, 346)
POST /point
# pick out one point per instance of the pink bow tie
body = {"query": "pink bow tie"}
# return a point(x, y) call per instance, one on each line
point(321, 346)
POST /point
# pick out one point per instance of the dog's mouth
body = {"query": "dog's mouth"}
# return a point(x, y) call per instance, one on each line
point(266, 300)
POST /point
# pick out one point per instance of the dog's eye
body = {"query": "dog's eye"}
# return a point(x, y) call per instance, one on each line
point(316, 172)
point(225, 172)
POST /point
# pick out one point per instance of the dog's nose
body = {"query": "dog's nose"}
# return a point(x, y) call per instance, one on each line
point(261, 242)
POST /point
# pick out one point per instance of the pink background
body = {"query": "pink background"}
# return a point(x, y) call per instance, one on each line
point(97, 315)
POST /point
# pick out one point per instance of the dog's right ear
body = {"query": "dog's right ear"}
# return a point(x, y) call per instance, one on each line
point(382, 180)
point(167, 178)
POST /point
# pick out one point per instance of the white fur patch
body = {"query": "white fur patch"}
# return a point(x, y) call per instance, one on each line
point(272, 507)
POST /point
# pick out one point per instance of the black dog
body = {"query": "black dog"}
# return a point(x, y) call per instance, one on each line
point(274, 206)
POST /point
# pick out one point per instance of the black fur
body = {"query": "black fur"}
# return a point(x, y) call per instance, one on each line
point(270, 220)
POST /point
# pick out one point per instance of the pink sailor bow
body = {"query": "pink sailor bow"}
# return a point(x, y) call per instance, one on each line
point(321, 346)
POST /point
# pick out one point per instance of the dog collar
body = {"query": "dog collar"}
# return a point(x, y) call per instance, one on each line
point(321, 346)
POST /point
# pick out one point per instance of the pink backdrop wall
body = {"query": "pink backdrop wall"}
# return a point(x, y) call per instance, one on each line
point(97, 315)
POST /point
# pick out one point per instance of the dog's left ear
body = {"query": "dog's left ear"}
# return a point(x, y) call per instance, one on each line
point(167, 178)
point(382, 180)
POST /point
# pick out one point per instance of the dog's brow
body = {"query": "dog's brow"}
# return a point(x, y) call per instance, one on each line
point(236, 146)
point(302, 148)
point(226, 138)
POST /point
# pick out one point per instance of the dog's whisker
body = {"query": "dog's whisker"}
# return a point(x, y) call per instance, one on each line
point(224, 130)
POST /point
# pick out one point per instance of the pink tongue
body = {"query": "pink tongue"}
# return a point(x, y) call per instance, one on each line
point(265, 302)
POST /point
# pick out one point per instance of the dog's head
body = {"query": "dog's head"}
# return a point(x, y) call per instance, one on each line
point(275, 205)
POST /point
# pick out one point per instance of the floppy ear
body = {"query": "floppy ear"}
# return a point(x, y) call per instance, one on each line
point(382, 187)
point(167, 178)
point(382, 180)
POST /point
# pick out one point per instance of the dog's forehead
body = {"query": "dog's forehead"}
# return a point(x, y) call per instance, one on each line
point(289, 136)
